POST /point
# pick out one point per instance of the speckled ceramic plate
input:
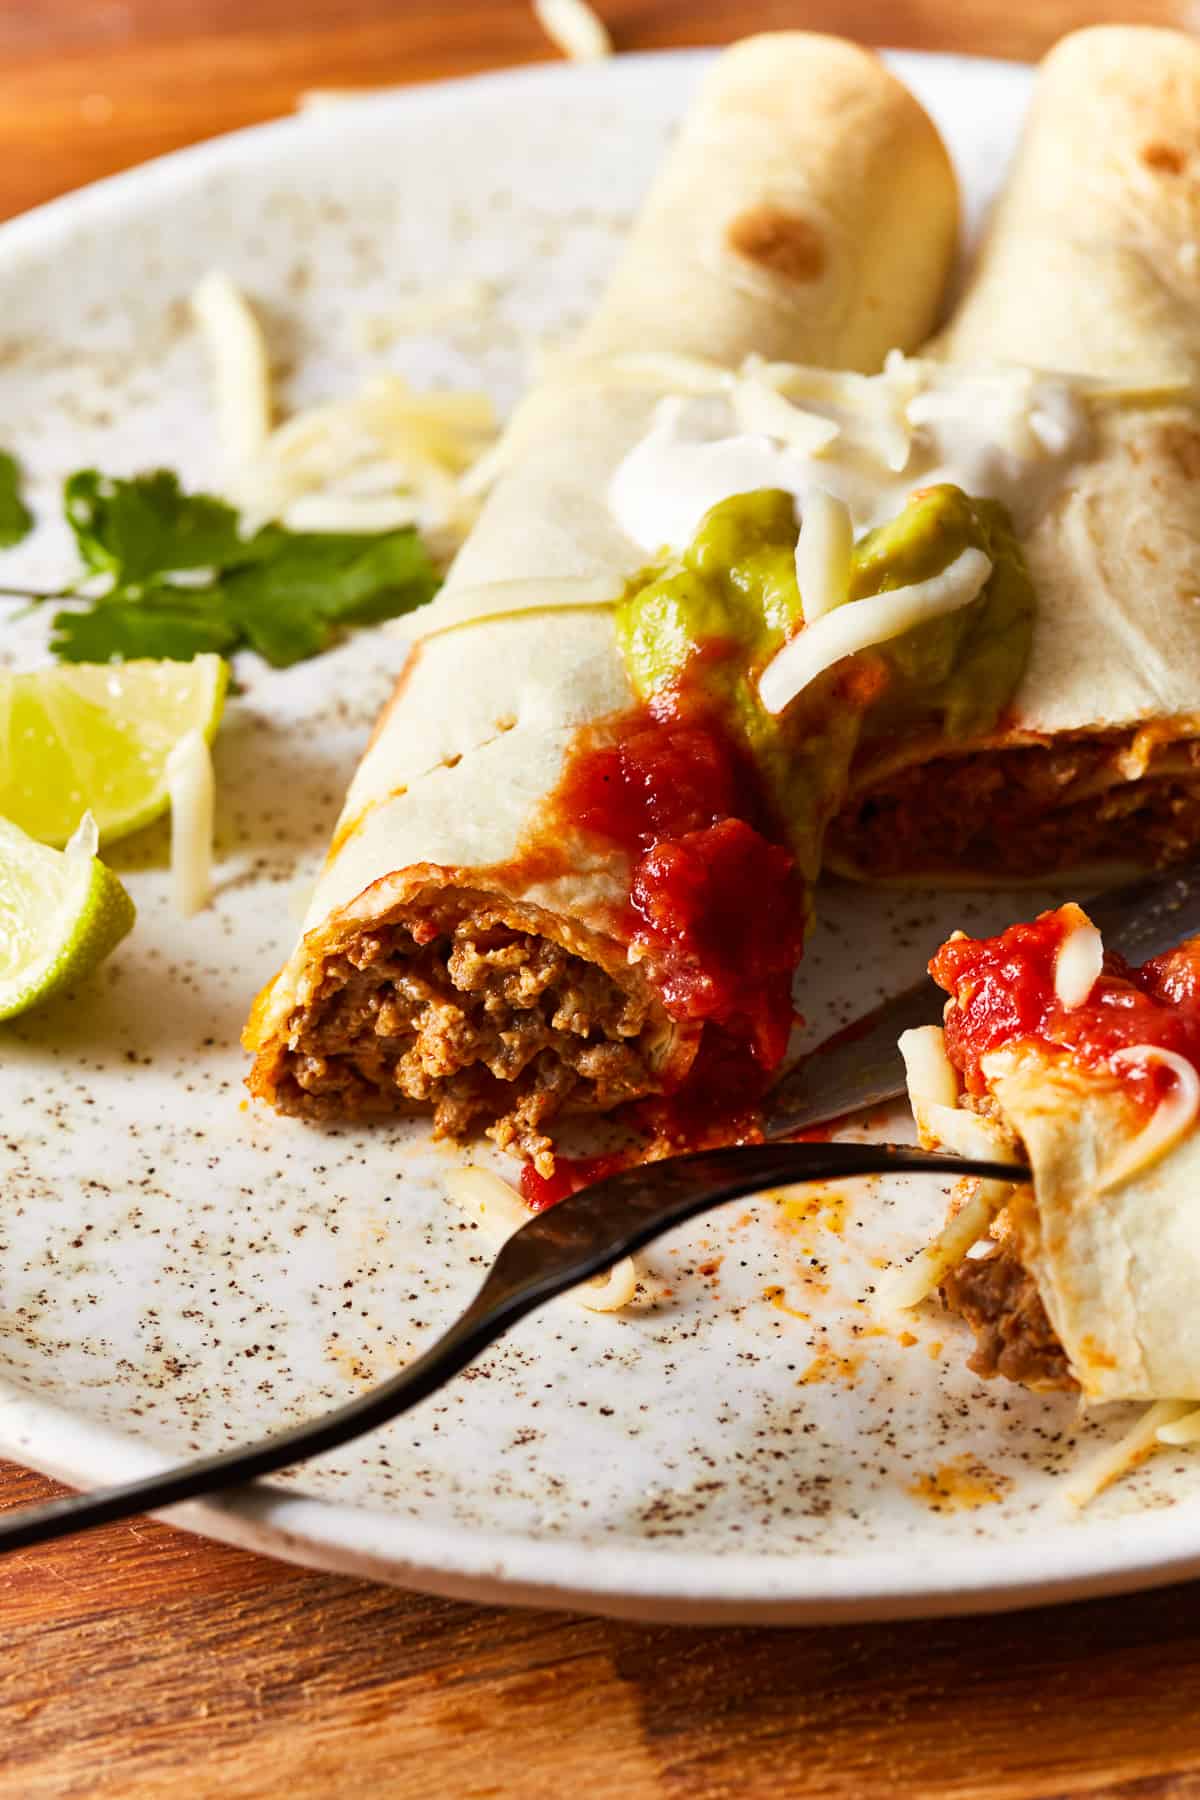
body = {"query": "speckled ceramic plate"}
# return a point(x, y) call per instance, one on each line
point(750, 1441)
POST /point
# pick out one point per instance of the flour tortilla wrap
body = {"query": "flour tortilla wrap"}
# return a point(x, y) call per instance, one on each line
point(463, 952)
point(1091, 267)
point(1117, 1271)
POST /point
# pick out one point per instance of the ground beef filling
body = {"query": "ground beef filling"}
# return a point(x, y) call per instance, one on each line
point(482, 1025)
point(1019, 812)
point(999, 1299)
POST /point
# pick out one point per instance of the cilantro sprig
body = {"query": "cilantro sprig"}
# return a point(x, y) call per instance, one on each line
point(170, 574)
point(16, 520)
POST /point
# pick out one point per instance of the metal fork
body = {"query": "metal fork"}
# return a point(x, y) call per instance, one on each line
point(578, 1238)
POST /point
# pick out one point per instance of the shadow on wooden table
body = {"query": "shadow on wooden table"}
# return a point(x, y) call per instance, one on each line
point(142, 1661)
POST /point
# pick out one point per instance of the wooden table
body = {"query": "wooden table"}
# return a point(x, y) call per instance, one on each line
point(141, 1661)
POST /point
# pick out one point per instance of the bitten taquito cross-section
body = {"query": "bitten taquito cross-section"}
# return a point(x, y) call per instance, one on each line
point(1091, 267)
point(556, 886)
point(1062, 1055)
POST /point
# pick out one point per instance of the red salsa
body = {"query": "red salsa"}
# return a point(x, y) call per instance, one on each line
point(570, 1174)
point(1003, 988)
point(715, 898)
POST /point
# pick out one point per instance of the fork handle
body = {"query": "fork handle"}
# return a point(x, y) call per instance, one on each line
point(520, 1280)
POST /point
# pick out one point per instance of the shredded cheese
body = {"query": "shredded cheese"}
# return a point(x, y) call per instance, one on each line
point(1118, 1459)
point(574, 28)
point(823, 552)
point(866, 622)
point(421, 312)
point(905, 1286)
point(385, 457)
point(351, 512)
point(759, 406)
point(1171, 1120)
point(1079, 962)
point(501, 1210)
point(191, 787)
point(933, 1091)
point(241, 370)
point(931, 1077)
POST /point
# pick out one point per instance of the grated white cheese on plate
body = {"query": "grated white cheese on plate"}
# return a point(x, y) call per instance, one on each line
point(241, 371)
point(384, 457)
point(425, 311)
point(574, 28)
point(1129, 1450)
point(191, 787)
point(501, 1211)
point(351, 512)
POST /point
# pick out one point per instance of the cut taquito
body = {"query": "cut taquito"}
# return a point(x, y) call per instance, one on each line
point(489, 942)
point(1089, 1069)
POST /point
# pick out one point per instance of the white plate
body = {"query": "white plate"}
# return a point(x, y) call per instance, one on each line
point(178, 1272)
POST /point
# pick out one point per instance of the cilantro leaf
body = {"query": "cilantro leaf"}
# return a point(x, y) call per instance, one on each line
point(289, 603)
point(138, 529)
point(174, 626)
point(177, 578)
point(16, 520)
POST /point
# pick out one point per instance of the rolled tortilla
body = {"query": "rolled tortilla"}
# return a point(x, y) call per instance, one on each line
point(1117, 1271)
point(1091, 267)
point(465, 952)
point(1095, 1275)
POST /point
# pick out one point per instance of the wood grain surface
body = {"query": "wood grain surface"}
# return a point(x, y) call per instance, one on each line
point(140, 1661)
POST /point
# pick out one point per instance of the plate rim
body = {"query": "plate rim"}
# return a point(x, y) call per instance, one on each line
point(651, 1582)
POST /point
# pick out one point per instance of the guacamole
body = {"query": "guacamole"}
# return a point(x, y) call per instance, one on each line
point(710, 618)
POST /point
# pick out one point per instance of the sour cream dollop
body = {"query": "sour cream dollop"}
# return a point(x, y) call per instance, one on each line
point(1004, 434)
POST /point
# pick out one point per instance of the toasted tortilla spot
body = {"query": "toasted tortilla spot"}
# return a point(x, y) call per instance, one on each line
point(786, 243)
point(1165, 157)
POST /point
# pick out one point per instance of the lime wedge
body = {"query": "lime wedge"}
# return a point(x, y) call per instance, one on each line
point(95, 737)
point(61, 912)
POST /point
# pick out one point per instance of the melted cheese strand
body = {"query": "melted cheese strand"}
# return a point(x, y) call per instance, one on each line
point(1118, 1459)
point(501, 1211)
point(1079, 962)
point(1184, 1431)
point(1172, 1119)
point(241, 370)
point(192, 789)
point(823, 552)
point(862, 623)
